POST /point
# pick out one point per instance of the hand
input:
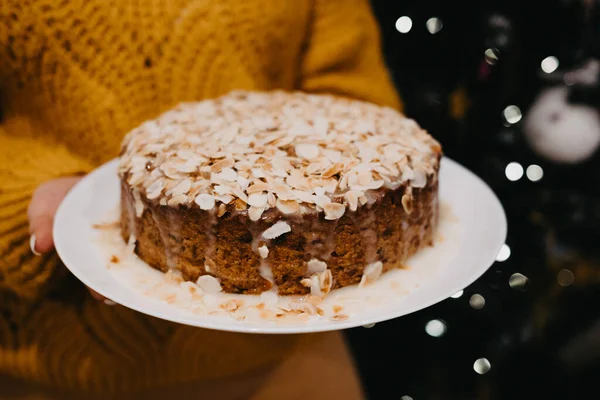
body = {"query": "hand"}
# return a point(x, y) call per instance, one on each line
point(44, 203)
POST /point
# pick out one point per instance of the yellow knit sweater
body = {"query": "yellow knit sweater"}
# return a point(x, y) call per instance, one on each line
point(75, 76)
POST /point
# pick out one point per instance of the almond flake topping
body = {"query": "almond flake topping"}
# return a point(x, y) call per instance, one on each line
point(263, 251)
point(205, 201)
point(277, 230)
point(308, 151)
point(371, 273)
point(209, 284)
point(255, 213)
point(292, 151)
point(320, 283)
point(257, 200)
point(334, 210)
point(315, 266)
point(288, 206)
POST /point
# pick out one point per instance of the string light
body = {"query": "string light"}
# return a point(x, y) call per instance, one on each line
point(404, 24)
point(477, 301)
point(491, 56)
point(435, 328)
point(482, 366)
point(518, 281)
point(512, 114)
point(565, 277)
point(549, 64)
point(514, 171)
point(434, 25)
point(534, 173)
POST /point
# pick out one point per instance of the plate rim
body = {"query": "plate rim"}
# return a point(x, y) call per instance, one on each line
point(241, 326)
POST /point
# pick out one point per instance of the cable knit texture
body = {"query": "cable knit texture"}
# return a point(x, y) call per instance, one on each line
point(75, 76)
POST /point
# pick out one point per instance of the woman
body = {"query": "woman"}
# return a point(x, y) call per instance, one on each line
point(74, 78)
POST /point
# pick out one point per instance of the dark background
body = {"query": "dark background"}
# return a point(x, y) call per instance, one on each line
point(540, 335)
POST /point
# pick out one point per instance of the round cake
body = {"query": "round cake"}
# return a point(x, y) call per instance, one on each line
point(294, 192)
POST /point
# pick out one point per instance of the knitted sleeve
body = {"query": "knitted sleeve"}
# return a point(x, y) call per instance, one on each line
point(344, 56)
point(24, 164)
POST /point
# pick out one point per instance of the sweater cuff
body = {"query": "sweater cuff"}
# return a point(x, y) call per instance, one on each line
point(25, 163)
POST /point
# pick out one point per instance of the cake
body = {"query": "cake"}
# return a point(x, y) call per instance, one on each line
point(283, 191)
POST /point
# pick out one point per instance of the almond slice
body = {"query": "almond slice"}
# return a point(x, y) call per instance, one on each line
point(307, 151)
point(314, 266)
point(304, 196)
point(352, 199)
point(371, 273)
point(177, 200)
point(255, 213)
point(323, 201)
point(277, 230)
point(209, 284)
point(288, 206)
point(224, 198)
point(220, 165)
point(258, 173)
point(228, 174)
point(181, 188)
point(205, 201)
point(258, 200)
point(334, 211)
point(271, 199)
point(258, 187)
point(263, 251)
point(407, 202)
point(332, 170)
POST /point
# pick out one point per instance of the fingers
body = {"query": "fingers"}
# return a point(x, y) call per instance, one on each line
point(32, 240)
point(96, 295)
point(99, 297)
point(44, 203)
point(41, 234)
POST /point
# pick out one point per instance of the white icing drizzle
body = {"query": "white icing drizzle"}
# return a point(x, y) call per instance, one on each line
point(164, 230)
point(212, 241)
point(264, 268)
point(320, 240)
point(132, 225)
point(367, 226)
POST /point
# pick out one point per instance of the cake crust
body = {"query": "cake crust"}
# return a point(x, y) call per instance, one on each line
point(309, 193)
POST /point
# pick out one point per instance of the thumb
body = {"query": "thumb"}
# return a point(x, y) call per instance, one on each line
point(44, 203)
point(41, 234)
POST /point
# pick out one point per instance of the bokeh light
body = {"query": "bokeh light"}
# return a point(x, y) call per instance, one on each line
point(477, 301)
point(565, 277)
point(549, 64)
point(514, 171)
point(434, 25)
point(512, 114)
point(404, 24)
point(518, 281)
point(435, 328)
point(491, 56)
point(482, 366)
point(534, 173)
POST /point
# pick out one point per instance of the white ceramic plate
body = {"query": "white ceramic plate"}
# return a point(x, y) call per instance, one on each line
point(472, 230)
